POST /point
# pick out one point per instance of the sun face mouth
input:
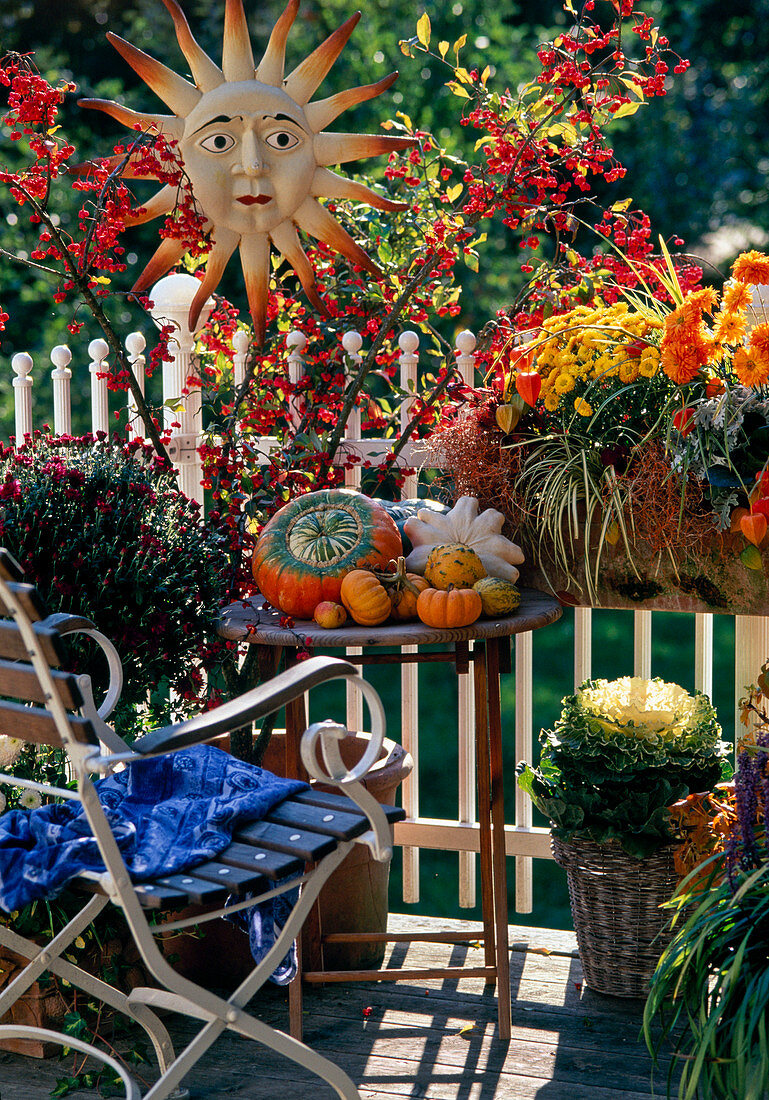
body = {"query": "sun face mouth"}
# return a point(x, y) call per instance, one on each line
point(249, 200)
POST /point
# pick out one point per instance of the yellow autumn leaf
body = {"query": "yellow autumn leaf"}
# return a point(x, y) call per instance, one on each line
point(612, 533)
point(424, 29)
point(443, 48)
point(485, 75)
point(626, 109)
point(453, 193)
point(458, 90)
point(460, 43)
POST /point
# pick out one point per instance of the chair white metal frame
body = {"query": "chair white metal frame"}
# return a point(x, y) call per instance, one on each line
point(310, 833)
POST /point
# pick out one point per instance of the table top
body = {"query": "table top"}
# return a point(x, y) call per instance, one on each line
point(249, 621)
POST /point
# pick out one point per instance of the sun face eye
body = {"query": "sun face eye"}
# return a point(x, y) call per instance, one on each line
point(217, 143)
point(282, 140)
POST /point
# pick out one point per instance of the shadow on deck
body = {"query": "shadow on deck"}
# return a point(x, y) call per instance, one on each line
point(434, 1040)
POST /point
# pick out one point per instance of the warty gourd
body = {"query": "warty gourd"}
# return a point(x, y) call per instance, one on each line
point(463, 524)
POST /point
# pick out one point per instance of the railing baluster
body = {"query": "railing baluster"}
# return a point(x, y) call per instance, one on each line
point(241, 343)
point(296, 342)
point(408, 361)
point(22, 393)
point(524, 728)
point(465, 357)
point(99, 350)
point(135, 345)
point(703, 654)
point(61, 378)
point(583, 644)
point(352, 343)
point(642, 644)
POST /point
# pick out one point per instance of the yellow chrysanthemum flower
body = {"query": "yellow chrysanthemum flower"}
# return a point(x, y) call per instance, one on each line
point(564, 383)
point(552, 401)
point(629, 370)
point(582, 407)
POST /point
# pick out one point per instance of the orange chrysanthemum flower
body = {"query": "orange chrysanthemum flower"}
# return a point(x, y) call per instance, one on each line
point(681, 362)
point(703, 300)
point(737, 296)
point(750, 370)
point(752, 267)
point(729, 327)
point(759, 342)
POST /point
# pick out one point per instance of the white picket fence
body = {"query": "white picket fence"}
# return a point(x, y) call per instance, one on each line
point(523, 841)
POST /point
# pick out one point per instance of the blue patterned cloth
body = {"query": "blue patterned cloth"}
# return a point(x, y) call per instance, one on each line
point(167, 813)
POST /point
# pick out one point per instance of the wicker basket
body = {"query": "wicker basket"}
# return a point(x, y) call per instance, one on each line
point(615, 906)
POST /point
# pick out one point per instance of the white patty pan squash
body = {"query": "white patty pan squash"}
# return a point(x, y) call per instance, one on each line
point(482, 532)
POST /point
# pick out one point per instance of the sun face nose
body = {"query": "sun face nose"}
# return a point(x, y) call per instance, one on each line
point(251, 161)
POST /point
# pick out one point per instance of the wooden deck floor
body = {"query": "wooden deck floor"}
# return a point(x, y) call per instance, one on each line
point(431, 1040)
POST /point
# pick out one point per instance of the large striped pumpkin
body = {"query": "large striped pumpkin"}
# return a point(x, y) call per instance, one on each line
point(308, 546)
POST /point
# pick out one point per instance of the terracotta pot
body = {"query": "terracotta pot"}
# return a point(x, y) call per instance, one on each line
point(41, 1006)
point(355, 898)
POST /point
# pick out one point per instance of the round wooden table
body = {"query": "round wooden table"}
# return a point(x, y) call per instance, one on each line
point(486, 646)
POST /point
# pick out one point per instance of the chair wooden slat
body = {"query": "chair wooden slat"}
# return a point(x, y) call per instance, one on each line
point(10, 570)
point(318, 819)
point(238, 879)
point(272, 865)
point(317, 797)
point(19, 681)
point(153, 895)
point(36, 724)
point(12, 647)
point(30, 600)
point(197, 891)
point(309, 847)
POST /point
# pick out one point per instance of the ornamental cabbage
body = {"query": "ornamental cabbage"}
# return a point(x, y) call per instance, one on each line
point(619, 755)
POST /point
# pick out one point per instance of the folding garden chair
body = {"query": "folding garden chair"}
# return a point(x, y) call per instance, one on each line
point(306, 835)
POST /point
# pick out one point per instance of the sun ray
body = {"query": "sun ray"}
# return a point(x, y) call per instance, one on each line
point(176, 92)
point(316, 220)
point(286, 240)
point(307, 77)
point(169, 125)
point(225, 244)
point(270, 69)
point(329, 185)
point(163, 259)
point(162, 202)
point(323, 112)
point(340, 148)
point(255, 259)
point(128, 172)
point(237, 55)
point(205, 73)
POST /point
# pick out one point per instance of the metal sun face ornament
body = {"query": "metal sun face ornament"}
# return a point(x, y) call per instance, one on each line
point(255, 152)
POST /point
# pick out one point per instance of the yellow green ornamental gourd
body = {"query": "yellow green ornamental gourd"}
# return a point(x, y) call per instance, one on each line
point(481, 532)
point(498, 597)
point(453, 566)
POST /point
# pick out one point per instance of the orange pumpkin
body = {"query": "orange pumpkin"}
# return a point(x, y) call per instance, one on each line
point(447, 609)
point(365, 598)
point(403, 589)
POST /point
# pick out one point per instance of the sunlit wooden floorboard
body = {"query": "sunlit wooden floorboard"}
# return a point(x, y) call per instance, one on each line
point(434, 1040)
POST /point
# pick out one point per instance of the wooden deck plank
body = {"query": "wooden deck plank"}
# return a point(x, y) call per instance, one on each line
point(433, 1040)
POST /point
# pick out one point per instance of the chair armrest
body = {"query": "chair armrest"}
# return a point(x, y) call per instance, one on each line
point(65, 624)
point(256, 703)
point(320, 742)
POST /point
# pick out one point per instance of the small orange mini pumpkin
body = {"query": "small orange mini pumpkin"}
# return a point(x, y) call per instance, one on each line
point(447, 609)
point(365, 598)
point(403, 589)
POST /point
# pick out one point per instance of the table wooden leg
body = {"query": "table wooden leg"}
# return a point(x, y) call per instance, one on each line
point(310, 940)
point(499, 857)
point(483, 777)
